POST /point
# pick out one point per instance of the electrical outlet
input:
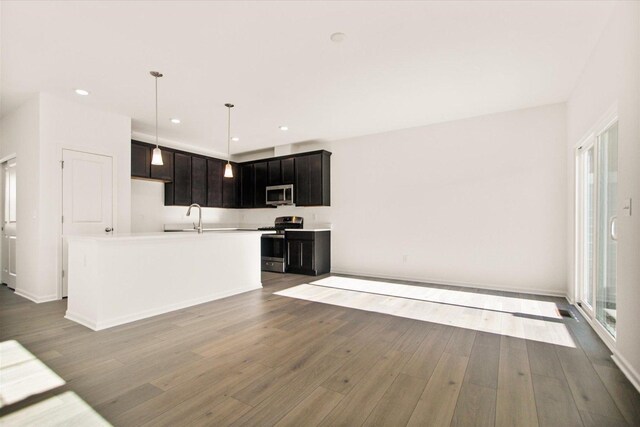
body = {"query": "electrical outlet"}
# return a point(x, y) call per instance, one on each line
point(405, 258)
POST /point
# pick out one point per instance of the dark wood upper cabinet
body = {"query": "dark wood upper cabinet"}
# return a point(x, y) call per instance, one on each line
point(287, 171)
point(140, 160)
point(191, 178)
point(164, 172)
point(261, 172)
point(199, 180)
point(247, 184)
point(215, 170)
point(312, 183)
point(301, 187)
point(231, 188)
point(182, 180)
point(274, 177)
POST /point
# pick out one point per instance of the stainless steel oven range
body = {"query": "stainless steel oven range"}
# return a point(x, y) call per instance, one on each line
point(274, 245)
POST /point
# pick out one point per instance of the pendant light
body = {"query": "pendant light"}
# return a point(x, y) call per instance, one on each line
point(228, 171)
point(157, 154)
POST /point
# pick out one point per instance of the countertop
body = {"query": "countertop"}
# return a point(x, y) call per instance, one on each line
point(239, 227)
point(213, 233)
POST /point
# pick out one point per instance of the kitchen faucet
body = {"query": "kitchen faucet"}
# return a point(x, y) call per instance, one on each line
point(199, 226)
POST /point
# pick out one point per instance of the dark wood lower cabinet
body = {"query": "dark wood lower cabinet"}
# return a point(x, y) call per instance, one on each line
point(308, 252)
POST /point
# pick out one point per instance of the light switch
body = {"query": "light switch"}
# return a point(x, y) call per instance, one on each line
point(627, 207)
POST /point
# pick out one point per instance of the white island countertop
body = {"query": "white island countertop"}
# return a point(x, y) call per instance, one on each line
point(191, 234)
point(121, 278)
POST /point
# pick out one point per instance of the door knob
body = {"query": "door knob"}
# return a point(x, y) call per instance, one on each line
point(108, 229)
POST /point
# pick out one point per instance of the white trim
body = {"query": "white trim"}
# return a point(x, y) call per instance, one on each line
point(627, 369)
point(35, 298)
point(425, 281)
point(109, 323)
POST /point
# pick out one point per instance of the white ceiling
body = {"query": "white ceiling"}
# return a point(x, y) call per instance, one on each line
point(403, 64)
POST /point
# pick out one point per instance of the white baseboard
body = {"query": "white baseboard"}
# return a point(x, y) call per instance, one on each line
point(35, 298)
point(110, 323)
point(627, 369)
point(449, 283)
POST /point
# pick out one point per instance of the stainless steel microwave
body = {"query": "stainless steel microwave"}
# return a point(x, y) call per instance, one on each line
point(280, 195)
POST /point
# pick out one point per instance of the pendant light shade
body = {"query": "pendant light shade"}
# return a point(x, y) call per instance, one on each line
point(228, 171)
point(157, 153)
point(157, 157)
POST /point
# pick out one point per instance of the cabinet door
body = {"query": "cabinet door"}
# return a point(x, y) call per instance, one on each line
point(301, 187)
point(140, 160)
point(294, 255)
point(287, 171)
point(182, 180)
point(199, 180)
point(274, 177)
point(215, 171)
point(306, 255)
point(164, 172)
point(315, 180)
point(231, 189)
point(247, 191)
point(260, 171)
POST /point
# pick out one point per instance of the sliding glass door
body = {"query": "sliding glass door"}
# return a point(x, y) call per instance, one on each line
point(597, 180)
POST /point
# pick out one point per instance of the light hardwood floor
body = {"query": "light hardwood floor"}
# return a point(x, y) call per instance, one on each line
point(260, 359)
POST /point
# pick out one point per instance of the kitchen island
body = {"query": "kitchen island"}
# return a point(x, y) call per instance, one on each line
point(117, 279)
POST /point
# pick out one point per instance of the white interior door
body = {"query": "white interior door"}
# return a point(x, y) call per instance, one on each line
point(87, 198)
point(9, 224)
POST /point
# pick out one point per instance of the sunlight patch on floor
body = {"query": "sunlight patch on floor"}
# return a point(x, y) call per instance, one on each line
point(22, 374)
point(517, 317)
point(64, 409)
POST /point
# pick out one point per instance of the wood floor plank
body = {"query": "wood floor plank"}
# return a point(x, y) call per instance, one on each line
point(424, 360)
point(366, 394)
point(586, 386)
point(475, 407)
point(438, 401)
point(397, 404)
point(483, 362)
point(625, 396)
point(515, 403)
point(554, 402)
point(312, 410)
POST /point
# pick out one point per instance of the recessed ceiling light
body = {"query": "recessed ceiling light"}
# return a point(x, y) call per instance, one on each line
point(235, 139)
point(82, 92)
point(338, 37)
point(283, 128)
point(176, 121)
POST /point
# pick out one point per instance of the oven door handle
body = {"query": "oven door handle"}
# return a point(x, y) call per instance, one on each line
point(273, 236)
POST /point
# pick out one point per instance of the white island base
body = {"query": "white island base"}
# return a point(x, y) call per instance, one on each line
point(119, 279)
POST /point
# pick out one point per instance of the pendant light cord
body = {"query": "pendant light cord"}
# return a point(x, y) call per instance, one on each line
point(229, 135)
point(156, 111)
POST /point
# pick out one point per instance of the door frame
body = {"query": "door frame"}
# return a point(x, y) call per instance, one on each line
point(4, 160)
point(590, 139)
point(114, 203)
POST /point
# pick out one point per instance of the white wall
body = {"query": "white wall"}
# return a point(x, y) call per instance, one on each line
point(58, 124)
point(149, 214)
point(20, 135)
point(480, 201)
point(612, 78)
